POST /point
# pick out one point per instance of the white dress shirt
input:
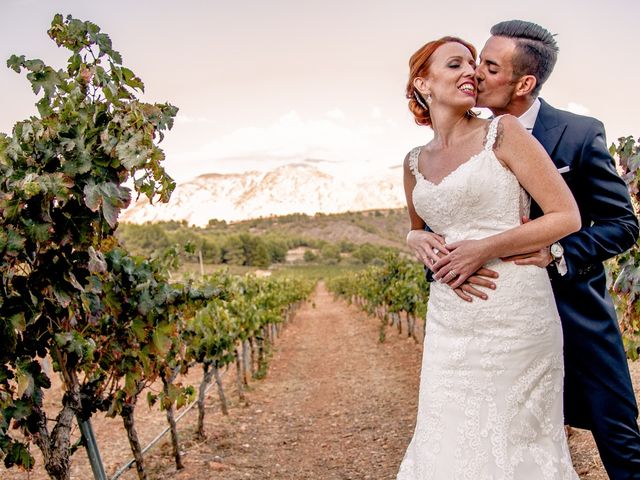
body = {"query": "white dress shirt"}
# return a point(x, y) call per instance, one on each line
point(528, 118)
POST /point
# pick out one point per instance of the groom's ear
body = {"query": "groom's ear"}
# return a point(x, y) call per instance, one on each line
point(525, 85)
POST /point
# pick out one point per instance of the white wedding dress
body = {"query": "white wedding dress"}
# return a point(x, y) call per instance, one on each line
point(490, 403)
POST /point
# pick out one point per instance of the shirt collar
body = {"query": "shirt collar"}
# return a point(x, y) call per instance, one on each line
point(528, 118)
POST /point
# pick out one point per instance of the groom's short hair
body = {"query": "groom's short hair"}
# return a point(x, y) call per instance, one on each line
point(536, 49)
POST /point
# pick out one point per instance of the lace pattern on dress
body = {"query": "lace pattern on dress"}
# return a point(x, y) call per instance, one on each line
point(490, 401)
point(413, 162)
point(492, 134)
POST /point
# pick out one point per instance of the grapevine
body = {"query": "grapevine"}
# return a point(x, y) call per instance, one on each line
point(625, 268)
point(397, 287)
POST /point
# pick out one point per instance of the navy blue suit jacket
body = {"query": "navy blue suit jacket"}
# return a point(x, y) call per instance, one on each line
point(595, 362)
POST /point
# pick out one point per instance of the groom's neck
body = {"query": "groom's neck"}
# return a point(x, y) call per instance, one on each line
point(516, 107)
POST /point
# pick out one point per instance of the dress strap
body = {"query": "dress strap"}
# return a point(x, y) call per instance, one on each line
point(413, 161)
point(492, 133)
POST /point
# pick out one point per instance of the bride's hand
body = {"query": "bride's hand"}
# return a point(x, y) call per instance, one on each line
point(464, 259)
point(426, 245)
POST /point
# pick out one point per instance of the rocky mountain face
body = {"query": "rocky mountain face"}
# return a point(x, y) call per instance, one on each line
point(292, 188)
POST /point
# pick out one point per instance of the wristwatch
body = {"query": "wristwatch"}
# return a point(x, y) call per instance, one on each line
point(557, 254)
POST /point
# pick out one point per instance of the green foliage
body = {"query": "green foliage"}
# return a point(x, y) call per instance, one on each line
point(367, 253)
point(141, 327)
point(626, 267)
point(330, 253)
point(398, 285)
point(216, 247)
point(265, 241)
point(247, 305)
point(309, 256)
point(375, 226)
point(67, 290)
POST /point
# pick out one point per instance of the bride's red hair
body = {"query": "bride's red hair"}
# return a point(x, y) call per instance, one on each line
point(419, 67)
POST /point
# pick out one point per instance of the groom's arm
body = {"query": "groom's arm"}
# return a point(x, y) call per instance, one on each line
point(610, 225)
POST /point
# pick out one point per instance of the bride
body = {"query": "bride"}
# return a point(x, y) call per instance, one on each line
point(490, 404)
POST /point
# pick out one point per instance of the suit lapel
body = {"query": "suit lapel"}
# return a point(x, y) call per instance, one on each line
point(548, 127)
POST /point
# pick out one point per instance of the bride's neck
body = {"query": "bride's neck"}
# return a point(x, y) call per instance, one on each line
point(448, 127)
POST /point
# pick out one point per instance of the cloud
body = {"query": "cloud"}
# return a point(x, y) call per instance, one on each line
point(577, 108)
point(337, 142)
point(187, 119)
point(335, 114)
point(290, 137)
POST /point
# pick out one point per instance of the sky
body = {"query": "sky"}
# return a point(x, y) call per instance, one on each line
point(261, 83)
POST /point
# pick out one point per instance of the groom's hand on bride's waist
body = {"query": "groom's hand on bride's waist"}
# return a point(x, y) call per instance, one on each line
point(540, 258)
point(469, 288)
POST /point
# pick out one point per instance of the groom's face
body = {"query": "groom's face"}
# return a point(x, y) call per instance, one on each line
point(494, 74)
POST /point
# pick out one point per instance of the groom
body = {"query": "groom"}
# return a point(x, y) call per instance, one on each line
point(514, 64)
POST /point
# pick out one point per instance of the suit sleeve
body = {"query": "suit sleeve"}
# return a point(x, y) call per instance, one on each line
point(427, 271)
point(604, 202)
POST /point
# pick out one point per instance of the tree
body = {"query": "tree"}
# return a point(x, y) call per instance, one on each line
point(62, 176)
point(330, 253)
point(309, 256)
point(233, 251)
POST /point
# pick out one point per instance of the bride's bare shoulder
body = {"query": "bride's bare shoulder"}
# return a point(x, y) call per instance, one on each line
point(507, 126)
point(511, 131)
point(508, 121)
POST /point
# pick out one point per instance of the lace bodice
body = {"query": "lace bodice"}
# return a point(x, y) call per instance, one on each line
point(479, 198)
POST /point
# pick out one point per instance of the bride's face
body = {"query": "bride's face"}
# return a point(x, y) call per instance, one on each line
point(451, 78)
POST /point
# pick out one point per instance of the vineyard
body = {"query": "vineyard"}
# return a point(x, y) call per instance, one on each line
point(110, 323)
point(117, 330)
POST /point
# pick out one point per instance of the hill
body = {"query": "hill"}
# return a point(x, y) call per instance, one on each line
point(350, 237)
point(385, 227)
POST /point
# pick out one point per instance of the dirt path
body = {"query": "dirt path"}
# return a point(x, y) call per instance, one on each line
point(335, 405)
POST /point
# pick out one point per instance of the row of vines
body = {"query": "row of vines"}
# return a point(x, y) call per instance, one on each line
point(399, 286)
point(390, 291)
point(110, 323)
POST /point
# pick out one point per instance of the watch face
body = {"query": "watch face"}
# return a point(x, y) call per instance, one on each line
point(556, 250)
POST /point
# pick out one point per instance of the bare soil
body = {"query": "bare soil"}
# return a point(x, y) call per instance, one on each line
point(336, 405)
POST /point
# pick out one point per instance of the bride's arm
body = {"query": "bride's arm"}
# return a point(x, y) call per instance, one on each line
point(526, 158)
point(421, 242)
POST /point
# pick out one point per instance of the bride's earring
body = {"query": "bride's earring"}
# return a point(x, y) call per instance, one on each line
point(420, 100)
point(429, 99)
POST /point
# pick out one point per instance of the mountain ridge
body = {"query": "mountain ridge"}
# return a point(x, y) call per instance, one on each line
point(292, 188)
